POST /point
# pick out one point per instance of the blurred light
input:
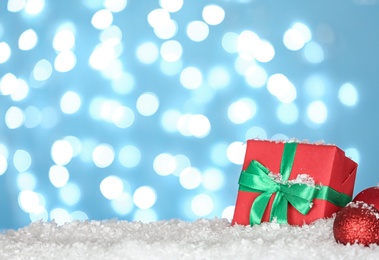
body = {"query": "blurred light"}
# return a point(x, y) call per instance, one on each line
point(22, 160)
point(169, 120)
point(20, 90)
point(200, 96)
point(236, 152)
point(242, 110)
point(171, 68)
point(111, 187)
point(4, 150)
point(123, 84)
point(353, 153)
point(164, 164)
point(145, 215)
point(264, 52)
point(242, 65)
point(60, 216)
point(29, 201)
point(115, 5)
point(199, 126)
point(42, 70)
point(8, 83)
point(28, 40)
point(102, 56)
point(34, 7)
point(171, 6)
point(218, 77)
point(248, 44)
point(33, 117)
point(64, 40)
point(70, 194)
point(147, 104)
point(181, 162)
point(123, 117)
point(256, 76)
point(296, 37)
point(75, 143)
point(228, 213)
point(102, 19)
point(166, 29)
point(202, 205)
point(157, 16)
point(317, 112)
point(39, 215)
point(304, 31)
point(25, 180)
point(348, 94)
point(114, 70)
point(111, 35)
point(70, 102)
point(213, 14)
point(191, 78)
point(147, 52)
point(315, 86)
point(58, 175)
point(123, 204)
point(293, 39)
point(197, 31)
point(14, 117)
point(218, 154)
point(193, 125)
point(279, 86)
point(313, 52)
point(65, 61)
point(3, 164)
point(129, 156)
point(144, 197)
point(230, 42)
point(103, 155)
point(15, 6)
point(255, 132)
point(78, 215)
point(171, 51)
point(5, 52)
point(190, 178)
point(213, 179)
point(61, 152)
point(287, 113)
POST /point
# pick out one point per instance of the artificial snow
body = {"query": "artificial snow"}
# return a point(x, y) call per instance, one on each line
point(175, 239)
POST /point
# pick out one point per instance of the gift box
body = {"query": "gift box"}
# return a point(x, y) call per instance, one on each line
point(292, 182)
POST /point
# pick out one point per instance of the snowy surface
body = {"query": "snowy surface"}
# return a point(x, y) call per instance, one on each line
point(174, 239)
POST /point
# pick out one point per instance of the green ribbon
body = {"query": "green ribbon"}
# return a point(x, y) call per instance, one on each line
point(256, 179)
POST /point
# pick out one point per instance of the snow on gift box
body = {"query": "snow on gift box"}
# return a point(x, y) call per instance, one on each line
point(292, 182)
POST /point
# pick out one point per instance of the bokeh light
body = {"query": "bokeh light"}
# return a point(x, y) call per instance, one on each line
point(141, 111)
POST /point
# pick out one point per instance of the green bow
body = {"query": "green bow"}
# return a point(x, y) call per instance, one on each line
point(256, 179)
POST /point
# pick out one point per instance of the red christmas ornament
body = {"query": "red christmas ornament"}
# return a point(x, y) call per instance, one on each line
point(369, 196)
point(358, 222)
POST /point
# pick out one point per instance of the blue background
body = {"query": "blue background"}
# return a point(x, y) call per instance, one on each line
point(63, 156)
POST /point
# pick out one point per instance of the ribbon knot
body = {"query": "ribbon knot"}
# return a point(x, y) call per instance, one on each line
point(256, 179)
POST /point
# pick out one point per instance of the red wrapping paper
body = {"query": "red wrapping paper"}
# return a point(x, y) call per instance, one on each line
point(326, 164)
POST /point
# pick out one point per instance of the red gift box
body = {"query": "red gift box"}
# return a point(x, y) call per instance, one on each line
point(327, 165)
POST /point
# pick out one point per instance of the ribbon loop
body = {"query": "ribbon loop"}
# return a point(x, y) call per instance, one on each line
point(256, 179)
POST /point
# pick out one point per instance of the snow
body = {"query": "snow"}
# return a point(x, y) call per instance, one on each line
point(175, 239)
